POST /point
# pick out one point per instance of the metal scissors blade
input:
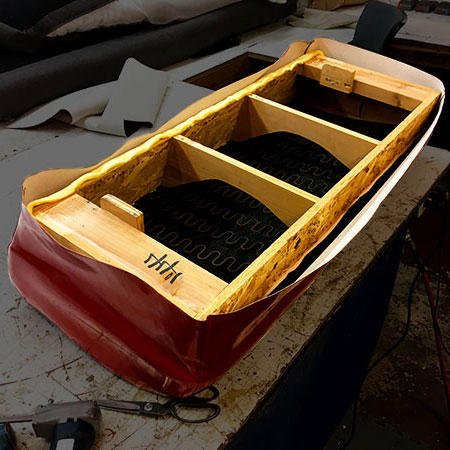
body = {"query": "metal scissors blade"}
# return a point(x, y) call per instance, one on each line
point(133, 407)
point(120, 405)
point(17, 418)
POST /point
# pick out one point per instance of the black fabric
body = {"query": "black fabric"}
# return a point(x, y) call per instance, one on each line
point(213, 224)
point(25, 14)
point(24, 24)
point(375, 130)
point(223, 229)
point(290, 158)
point(27, 80)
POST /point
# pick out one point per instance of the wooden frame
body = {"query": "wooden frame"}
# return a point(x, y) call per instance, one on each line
point(188, 154)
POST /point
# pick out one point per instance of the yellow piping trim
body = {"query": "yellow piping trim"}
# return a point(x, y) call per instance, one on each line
point(175, 131)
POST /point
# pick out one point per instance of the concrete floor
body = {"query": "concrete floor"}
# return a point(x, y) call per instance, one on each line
point(402, 403)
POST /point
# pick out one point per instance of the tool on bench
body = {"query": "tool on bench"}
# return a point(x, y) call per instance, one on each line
point(74, 425)
point(180, 408)
point(68, 426)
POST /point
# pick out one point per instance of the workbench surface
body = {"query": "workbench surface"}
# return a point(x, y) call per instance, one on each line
point(38, 362)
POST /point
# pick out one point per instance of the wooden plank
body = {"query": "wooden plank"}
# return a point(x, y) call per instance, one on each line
point(190, 161)
point(260, 116)
point(286, 253)
point(367, 83)
point(93, 231)
point(129, 214)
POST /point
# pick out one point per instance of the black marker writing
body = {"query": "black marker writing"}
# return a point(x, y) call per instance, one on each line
point(159, 265)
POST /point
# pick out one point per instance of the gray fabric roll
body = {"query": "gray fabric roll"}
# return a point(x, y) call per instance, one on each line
point(33, 84)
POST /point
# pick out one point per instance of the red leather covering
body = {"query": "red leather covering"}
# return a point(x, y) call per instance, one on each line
point(129, 327)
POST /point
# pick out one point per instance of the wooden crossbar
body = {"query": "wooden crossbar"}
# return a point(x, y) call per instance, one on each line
point(259, 116)
point(386, 89)
point(190, 161)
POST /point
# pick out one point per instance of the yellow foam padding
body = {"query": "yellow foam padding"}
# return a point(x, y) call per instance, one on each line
point(175, 131)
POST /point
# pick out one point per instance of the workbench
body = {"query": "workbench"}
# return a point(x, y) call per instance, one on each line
point(38, 362)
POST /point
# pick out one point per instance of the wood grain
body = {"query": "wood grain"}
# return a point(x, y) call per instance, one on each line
point(375, 85)
point(99, 234)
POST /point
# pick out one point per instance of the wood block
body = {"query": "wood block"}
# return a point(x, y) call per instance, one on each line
point(123, 211)
point(393, 91)
point(338, 78)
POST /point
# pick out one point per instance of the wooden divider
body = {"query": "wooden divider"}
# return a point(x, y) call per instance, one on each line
point(375, 85)
point(190, 161)
point(87, 229)
point(259, 116)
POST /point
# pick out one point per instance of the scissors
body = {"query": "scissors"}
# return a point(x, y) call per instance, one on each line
point(176, 407)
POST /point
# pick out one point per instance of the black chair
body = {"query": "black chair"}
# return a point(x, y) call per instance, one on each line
point(377, 25)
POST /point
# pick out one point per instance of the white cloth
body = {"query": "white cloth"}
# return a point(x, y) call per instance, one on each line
point(125, 12)
point(142, 96)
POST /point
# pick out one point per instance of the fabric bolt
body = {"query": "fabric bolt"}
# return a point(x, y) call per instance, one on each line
point(157, 12)
point(59, 66)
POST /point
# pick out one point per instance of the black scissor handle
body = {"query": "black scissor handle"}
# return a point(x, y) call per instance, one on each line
point(214, 411)
point(195, 403)
point(213, 394)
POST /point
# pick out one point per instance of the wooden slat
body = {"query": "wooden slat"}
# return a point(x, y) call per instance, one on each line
point(289, 249)
point(260, 116)
point(190, 161)
point(375, 85)
point(89, 230)
point(123, 211)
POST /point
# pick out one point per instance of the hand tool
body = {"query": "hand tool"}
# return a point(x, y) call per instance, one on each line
point(68, 426)
point(74, 425)
point(180, 408)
